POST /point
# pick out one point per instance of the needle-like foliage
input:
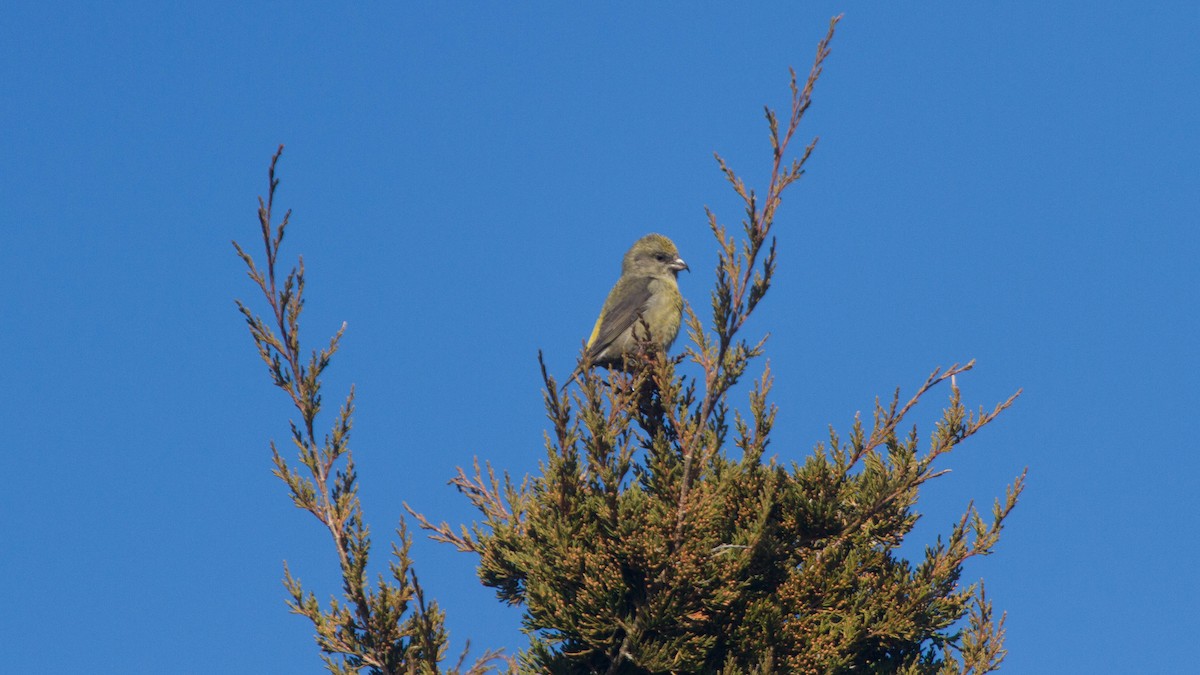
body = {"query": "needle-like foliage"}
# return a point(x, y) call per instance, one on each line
point(384, 629)
point(647, 545)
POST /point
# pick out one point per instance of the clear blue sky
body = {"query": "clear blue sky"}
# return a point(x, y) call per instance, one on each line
point(1016, 184)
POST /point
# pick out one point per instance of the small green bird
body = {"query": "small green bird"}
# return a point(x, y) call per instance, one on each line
point(647, 290)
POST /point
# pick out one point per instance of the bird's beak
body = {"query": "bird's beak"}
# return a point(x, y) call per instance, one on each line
point(678, 264)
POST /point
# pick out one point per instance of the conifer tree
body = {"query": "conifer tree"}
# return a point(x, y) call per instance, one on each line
point(387, 629)
point(659, 538)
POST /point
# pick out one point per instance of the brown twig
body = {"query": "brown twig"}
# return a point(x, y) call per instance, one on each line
point(740, 283)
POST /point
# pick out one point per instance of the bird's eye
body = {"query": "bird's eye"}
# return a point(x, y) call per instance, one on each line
point(660, 257)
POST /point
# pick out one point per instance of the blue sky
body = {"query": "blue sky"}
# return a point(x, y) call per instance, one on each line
point(1016, 184)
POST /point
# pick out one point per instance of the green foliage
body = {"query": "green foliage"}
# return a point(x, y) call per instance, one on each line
point(646, 546)
point(371, 628)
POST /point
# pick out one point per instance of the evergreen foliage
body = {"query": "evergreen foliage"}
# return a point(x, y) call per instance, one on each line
point(377, 629)
point(646, 545)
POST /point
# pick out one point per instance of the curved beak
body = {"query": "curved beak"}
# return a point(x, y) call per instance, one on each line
point(678, 264)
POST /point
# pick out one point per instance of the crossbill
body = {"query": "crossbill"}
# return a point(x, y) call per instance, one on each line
point(647, 291)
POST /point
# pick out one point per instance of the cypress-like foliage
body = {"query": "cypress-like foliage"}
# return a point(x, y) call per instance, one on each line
point(658, 539)
point(384, 629)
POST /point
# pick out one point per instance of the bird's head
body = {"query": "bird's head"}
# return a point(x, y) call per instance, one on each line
point(653, 255)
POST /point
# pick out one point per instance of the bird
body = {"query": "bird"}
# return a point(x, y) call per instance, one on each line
point(648, 291)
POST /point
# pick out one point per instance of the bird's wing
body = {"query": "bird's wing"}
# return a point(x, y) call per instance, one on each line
point(628, 301)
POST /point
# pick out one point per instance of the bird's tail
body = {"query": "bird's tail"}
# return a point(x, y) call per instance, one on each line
point(574, 378)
